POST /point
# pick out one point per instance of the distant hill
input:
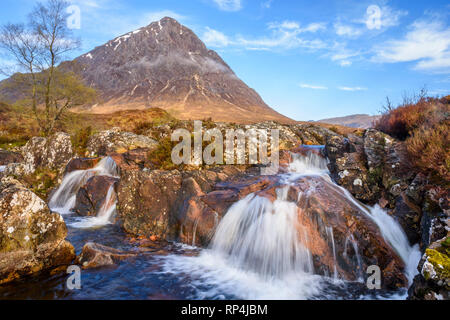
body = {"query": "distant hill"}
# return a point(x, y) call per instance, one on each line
point(166, 65)
point(363, 121)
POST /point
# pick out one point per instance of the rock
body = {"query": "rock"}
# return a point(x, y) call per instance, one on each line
point(95, 255)
point(337, 146)
point(53, 152)
point(203, 211)
point(116, 141)
point(409, 216)
point(133, 159)
point(32, 239)
point(145, 200)
point(433, 282)
point(81, 164)
point(91, 197)
point(7, 157)
point(349, 169)
point(350, 172)
point(319, 213)
point(15, 169)
point(158, 203)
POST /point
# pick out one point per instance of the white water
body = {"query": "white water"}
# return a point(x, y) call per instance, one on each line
point(64, 198)
point(2, 168)
point(104, 216)
point(256, 252)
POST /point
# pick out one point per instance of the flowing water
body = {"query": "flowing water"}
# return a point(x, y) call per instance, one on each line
point(259, 251)
point(64, 198)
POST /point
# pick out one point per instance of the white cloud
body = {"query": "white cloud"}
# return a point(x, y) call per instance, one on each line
point(229, 5)
point(215, 38)
point(342, 55)
point(284, 35)
point(352, 88)
point(314, 87)
point(347, 30)
point(427, 43)
point(345, 63)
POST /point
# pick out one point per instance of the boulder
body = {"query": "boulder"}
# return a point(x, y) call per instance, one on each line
point(321, 217)
point(7, 157)
point(133, 159)
point(32, 239)
point(91, 197)
point(156, 203)
point(81, 164)
point(433, 281)
point(95, 255)
point(53, 152)
point(409, 216)
point(145, 200)
point(116, 141)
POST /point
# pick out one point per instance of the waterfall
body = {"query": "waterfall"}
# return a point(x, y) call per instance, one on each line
point(258, 246)
point(262, 236)
point(392, 232)
point(104, 216)
point(63, 200)
point(2, 168)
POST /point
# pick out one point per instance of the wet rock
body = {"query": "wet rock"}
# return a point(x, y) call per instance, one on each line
point(53, 152)
point(162, 203)
point(322, 215)
point(81, 164)
point(433, 282)
point(32, 239)
point(91, 197)
point(7, 157)
point(95, 255)
point(116, 141)
point(409, 216)
point(203, 210)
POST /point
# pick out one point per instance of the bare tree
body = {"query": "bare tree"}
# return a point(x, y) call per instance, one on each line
point(37, 49)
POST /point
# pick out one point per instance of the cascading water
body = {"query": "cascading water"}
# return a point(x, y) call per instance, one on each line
point(104, 216)
point(2, 168)
point(260, 252)
point(64, 198)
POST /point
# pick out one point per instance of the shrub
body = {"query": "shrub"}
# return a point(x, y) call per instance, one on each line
point(424, 126)
point(429, 149)
point(80, 140)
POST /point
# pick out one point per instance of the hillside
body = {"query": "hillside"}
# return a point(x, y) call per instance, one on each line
point(363, 121)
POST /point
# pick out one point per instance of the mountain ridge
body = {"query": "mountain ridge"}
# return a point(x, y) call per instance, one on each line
point(362, 121)
point(166, 65)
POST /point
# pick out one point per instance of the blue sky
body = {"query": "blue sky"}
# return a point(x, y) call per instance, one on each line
point(308, 59)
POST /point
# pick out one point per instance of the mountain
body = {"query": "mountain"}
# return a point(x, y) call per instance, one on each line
point(166, 65)
point(363, 121)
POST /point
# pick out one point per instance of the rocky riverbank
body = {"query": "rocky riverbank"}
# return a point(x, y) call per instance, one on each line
point(185, 204)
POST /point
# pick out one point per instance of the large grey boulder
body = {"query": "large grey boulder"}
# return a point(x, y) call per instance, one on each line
point(32, 238)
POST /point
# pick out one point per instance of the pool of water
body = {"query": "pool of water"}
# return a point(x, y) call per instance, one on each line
point(175, 271)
